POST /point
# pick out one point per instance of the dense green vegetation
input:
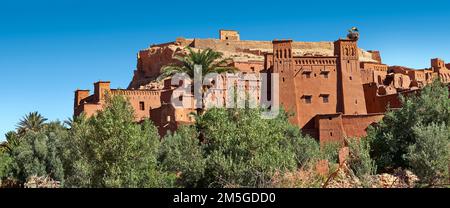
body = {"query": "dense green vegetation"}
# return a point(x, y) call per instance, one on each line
point(416, 136)
point(224, 148)
point(237, 148)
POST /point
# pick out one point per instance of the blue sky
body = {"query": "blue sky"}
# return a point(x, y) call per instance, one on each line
point(49, 48)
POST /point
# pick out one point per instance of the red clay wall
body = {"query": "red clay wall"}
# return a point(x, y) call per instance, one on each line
point(315, 77)
point(355, 126)
point(329, 128)
point(336, 127)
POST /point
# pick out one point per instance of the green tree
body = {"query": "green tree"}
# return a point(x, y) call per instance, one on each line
point(391, 138)
point(211, 62)
point(243, 149)
point(31, 122)
point(307, 149)
point(429, 156)
point(112, 150)
point(359, 158)
point(182, 153)
point(12, 139)
point(39, 153)
point(330, 151)
point(5, 165)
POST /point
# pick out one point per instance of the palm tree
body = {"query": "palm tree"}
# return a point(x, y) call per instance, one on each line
point(31, 122)
point(210, 60)
point(3, 147)
point(12, 140)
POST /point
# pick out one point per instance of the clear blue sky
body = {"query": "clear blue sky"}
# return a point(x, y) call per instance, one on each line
point(50, 48)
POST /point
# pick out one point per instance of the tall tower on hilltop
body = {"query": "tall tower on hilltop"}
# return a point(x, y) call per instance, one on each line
point(349, 84)
point(283, 64)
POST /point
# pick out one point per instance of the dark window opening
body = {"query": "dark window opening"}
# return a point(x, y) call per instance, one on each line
point(325, 98)
point(331, 133)
point(308, 99)
point(142, 106)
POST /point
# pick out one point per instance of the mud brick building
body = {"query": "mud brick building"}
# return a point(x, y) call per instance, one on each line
point(335, 89)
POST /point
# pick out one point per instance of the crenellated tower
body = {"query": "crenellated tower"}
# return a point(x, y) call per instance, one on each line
point(283, 64)
point(349, 84)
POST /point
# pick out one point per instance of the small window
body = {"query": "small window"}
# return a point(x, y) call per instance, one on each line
point(325, 98)
point(325, 74)
point(142, 106)
point(308, 99)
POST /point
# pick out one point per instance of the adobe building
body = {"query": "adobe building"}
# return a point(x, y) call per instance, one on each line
point(335, 89)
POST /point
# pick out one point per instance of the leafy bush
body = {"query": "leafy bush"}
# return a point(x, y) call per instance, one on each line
point(330, 151)
point(359, 158)
point(305, 148)
point(391, 138)
point(38, 153)
point(111, 150)
point(181, 153)
point(429, 156)
point(243, 149)
point(5, 165)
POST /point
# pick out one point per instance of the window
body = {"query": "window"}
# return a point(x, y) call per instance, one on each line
point(307, 74)
point(325, 74)
point(308, 99)
point(142, 106)
point(325, 98)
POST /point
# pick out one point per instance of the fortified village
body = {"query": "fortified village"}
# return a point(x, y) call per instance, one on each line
point(334, 89)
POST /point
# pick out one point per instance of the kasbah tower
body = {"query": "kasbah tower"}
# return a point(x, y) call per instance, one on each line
point(335, 89)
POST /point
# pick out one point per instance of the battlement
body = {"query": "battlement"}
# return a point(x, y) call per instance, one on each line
point(136, 92)
point(437, 63)
point(229, 35)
